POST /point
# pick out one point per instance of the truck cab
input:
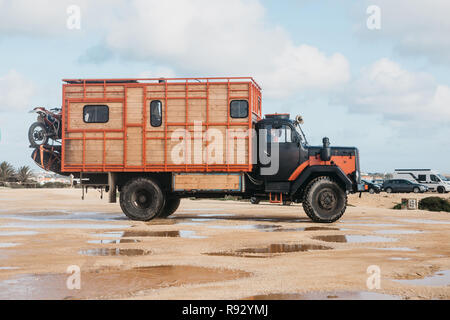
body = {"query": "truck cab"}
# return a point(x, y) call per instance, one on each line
point(289, 169)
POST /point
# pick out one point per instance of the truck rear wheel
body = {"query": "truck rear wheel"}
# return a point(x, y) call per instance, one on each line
point(170, 207)
point(324, 201)
point(141, 199)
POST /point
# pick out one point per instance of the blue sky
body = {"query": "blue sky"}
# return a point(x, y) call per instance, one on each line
point(385, 91)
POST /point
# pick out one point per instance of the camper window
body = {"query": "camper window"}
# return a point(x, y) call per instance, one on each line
point(156, 113)
point(239, 109)
point(422, 178)
point(96, 114)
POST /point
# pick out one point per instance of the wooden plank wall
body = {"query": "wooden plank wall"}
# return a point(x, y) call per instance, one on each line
point(150, 148)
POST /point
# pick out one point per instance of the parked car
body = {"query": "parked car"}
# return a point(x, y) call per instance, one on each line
point(371, 187)
point(401, 185)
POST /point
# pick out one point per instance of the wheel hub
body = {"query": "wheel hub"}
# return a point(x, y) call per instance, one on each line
point(141, 199)
point(327, 200)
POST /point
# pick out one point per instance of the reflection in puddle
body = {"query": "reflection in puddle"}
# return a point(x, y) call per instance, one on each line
point(271, 249)
point(8, 244)
point(246, 227)
point(141, 234)
point(114, 252)
point(110, 283)
point(17, 233)
point(9, 268)
point(353, 239)
point(398, 231)
point(385, 225)
point(115, 241)
point(439, 279)
point(399, 259)
point(304, 229)
point(339, 295)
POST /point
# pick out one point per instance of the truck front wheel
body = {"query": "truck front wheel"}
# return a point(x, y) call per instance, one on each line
point(171, 205)
point(324, 200)
point(142, 199)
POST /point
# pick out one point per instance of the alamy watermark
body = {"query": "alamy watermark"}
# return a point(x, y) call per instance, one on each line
point(73, 21)
point(73, 282)
point(374, 280)
point(374, 19)
point(228, 146)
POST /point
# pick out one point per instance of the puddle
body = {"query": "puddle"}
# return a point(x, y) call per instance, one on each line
point(425, 221)
point(238, 218)
point(338, 295)
point(399, 259)
point(141, 234)
point(304, 229)
point(115, 241)
point(111, 282)
point(265, 252)
point(439, 279)
point(9, 268)
point(353, 239)
point(114, 252)
point(8, 244)
point(398, 232)
point(17, 233)
point(63, 226)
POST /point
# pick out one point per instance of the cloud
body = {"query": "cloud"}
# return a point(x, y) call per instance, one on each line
point(399, 95)
point(193, 37)
point(202, 37)
point(15, 92)
point(418, 28)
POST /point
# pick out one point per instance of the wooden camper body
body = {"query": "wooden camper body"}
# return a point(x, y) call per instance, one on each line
point(128, 142)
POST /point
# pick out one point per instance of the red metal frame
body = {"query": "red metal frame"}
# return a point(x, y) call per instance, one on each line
point(254, 98)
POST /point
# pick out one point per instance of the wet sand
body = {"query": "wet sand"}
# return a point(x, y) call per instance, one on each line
point(214, 249)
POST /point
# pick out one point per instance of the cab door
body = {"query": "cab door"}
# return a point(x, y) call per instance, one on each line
point(283, 150)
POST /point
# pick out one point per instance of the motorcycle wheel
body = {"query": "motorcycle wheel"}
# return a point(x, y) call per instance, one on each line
point(38, 135)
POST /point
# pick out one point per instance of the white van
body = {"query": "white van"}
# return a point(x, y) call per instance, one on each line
point(432, 179)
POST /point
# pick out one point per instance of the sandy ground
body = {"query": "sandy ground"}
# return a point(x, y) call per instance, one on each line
point(219, 250)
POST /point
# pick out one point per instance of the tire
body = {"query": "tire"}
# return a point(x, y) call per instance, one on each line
point(416, 190)
point(142, 199)
point(441, 190)
point(171, 205)
point(254, 200)
point(37, 135)
point(371, 190)
point(318, 195)
point(389, 190)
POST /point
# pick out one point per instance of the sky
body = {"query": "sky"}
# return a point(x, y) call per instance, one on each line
point(371, 74)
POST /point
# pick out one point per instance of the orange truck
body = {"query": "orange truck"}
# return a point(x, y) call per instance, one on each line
point(157, 141)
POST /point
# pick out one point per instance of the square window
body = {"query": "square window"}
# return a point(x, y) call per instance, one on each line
point(96, 114)
point(239, 109)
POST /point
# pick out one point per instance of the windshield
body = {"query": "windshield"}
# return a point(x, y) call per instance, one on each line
point(301, 134)
point(442, 177)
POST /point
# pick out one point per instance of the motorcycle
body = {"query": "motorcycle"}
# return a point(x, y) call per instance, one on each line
point(48, 126)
